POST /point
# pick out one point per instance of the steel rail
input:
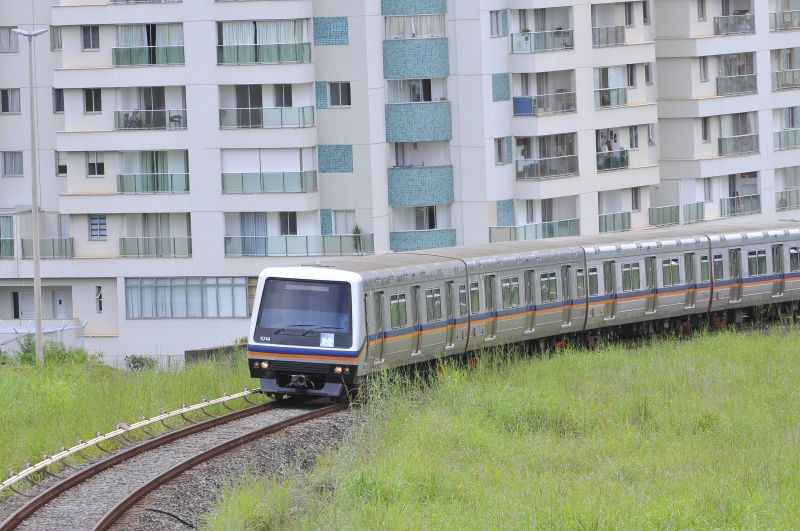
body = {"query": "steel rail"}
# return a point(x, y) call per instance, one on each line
point(125, 505)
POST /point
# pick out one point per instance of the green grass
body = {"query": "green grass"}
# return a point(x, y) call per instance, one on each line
point(45, 409)
point(696, 434)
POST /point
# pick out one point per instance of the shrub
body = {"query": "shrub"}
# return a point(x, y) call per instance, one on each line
point(54, 353)
point(140, 363)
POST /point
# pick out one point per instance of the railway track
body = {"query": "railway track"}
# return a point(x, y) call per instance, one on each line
point(97, 496)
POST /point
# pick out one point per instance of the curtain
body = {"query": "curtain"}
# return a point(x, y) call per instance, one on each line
point(395, 27)
point(12, 95)
point(169, 34)
point(240, 297)
point(225, 297)
point(12, 163)
point(738, 124)
point(540, 20)
point(178, 298)
point(210, 307)
point(240, 32)
point(343, 221)
point(267, 32)
point(132, 36)
point(194, 298)
point(6, 227)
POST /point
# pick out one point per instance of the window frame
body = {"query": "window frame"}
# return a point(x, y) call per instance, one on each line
point(757, 260)
point(94, 35)
point(3, 170)
point(58, 97)
point(498, 23)
point(433, 304)
point(398, 311)
point(93, 96)
point(548, 287)
point(5, 96)
point(95, 164)
point(339, 85)
point(631, 277)
point(98, 227)
point(510, 292)
point(13, 40)
point(670, 272)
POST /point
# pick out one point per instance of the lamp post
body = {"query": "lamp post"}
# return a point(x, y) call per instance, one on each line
point(37, 274)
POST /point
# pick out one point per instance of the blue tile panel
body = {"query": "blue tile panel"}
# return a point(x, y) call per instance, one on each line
point(331, 31)
point(416, 59)
point(335, 159)
point(420, 186)
point(422, 239)
point(501, 87)
point(419, 122)
point(322, 94)
point(326, 222)
point(413, 7)
point(505, 213)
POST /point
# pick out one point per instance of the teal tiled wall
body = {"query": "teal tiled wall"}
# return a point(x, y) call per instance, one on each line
point(419, 122)
point(331, 31)
point(413, 7)
point(335, 158)
point(501, 87)
point(424, 239)
point(505, 213)
point(416, 59)
point(420, 186)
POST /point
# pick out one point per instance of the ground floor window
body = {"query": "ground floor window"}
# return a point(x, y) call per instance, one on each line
point(188, 298)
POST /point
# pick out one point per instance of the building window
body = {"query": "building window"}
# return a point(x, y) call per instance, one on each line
point(98, 299)
point(707, 190)
point(288, 223)
point(651, 134)
point(9, 42)
point(705, 129)
point(633, 133)
point(648, 74)
point(502, 150)
point(95, 167)
point(339, 93)
point(703, 69)
point(701, 10)
point(55, 38)
point(629, 14)
point(90, 36)
point(344, 221)
point(415, 27)
point(98, 229)
point(283, 95)
point(61, 164)
point(58, 100)
point(646, 12)
point(186, 298)
point(9, 101)
point(498, 23)
point(425, 218)
point(631, 72)
point(636, 199)
point(12, 164)
point(92, 100)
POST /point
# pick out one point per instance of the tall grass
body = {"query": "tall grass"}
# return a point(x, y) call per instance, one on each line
point(698, 434)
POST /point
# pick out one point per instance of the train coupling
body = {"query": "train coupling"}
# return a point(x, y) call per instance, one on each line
point(300, 381)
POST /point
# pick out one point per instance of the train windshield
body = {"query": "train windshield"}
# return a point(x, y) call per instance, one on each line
point(306, 313)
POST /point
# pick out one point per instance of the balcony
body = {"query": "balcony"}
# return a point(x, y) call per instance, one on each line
point(547, 168)
point(610, 97)
point(742, 205)
point(418, 122)
point(734, 24)
point(411, 186)
point(418, 240)
point(787, 200)
point(288, 182)
point(613, 160)
point(786, 79)
point(787, 139)
point(738, 145)
point(161, 119)
point(263, 54)
point(6, 248)
point(153, 247)
point(665, 215)
point(736, 85)
point(556, 103)
point(148, 55)
point(315, 245)
point(542, 41)
point(267, 118)
point(50, 248)
point(153, 183)
point(784, 21)
point(538, 231)
point(694, 212)
point(615, 222)
point(608, 36)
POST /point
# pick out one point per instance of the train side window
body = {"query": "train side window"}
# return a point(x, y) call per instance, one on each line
point(510, 287)
point(777, 259)
point(631, 277)
point(463, 308)
point(549, 287)
point(735, 265)
point(794, 259)
point(433, 304)
point(378, 309)
point(398, 311)
point(705, 269)
point(719, 269)
point(475, 297)
point(670, 271)
point(689, 267)
point(530, 292)
point(757, 263)
point(580, 283)
point(609, 277)
point(594, 284)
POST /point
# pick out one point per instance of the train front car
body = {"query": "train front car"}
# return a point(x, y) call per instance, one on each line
point(306, 336)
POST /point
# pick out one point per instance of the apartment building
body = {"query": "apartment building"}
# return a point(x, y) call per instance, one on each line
point(185, 145)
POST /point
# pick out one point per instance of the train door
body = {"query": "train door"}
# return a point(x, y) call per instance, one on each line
point(779, 285)
point(566, 295)
point(450, 311)
point(530, 300)
point(610, 285)
point(416, 319)
point(691, 280)
point(491, 306)
point(735, 264)
point(376, 352)
point(651, 280)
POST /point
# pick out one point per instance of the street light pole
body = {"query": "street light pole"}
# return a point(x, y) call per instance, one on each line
point(37, 274)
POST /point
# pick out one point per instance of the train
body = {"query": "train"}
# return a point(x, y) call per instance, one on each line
point(318, 330)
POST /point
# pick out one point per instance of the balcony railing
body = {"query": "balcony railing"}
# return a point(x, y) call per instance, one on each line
point(610, 97)
point(787, 139)
point(786, 79)
point(153, 183)
point(558, 102)
point(733, 24)
point(547, 168)
point(151, 247)
point(787, 200)
point(6, 248)
point(150, 119)
point(267, 118)
point(148, 55)
point(316, 245)
point(665, 215)
point(50, 248)
point(289, 182)
point(542, 41)
point(615, 222)
point(263, 54)
point(613, 160)
point(537, 231)
point(738, 145)
point(733, 85)
point(694, 212)
point(608, 36)
point(741, 205)
point(784, 20)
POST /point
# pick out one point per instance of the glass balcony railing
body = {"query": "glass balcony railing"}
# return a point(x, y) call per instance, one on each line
point(50, 248)
point(610, 97)
point(784, 20)
point(153, 183)
point(608, 36)
point(263, 54)
point(734, 85)
point(150, 119)
point(547, 168)
point(787, 139)
point(288, 182)
point(694, 212)
point(742, 205)
point(155, 247)
point(6, 248)
point(615, 222)
point(613, 160)
point(738, 145)
point(787, 200)
point(538, 231)
point(314, 245)
point(665, 215)
point(148, 55)
point(733, 24)
point(267, 118)
point(558, 102)
point(542, 41)
point(786, 79)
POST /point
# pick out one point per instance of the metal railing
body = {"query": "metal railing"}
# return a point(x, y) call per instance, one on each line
point(50, 248)
point(732, 24)
point(787, 200)
point(150, 119)
point(315, 245)
point(787, 139)
point(557, 102)
point(6, 248)
point(269, 182)
point(784, 20)
point(536, 231)
point(741, 205)
point(263, 54)
point(786, 79)
point(613, 160)
point(542, 41)
point(267, 118)
point(665, 215)
point(738, 145)
point(694, 212)
point(147, 55)
point(615, 222)
point(155, 247)
point(547, 168)
point(608, 36)
point(611, 97)
point(733, 85)
point(153, 183)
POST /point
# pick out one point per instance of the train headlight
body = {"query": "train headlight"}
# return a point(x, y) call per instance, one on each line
point(265, 365)
point(338, 370)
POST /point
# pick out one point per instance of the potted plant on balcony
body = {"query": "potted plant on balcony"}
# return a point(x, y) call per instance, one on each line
point(357, 239)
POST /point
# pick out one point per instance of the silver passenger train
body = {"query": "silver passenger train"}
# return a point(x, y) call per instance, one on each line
point(317, 330)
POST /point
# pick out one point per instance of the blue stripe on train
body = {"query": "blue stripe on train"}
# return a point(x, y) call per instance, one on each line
point(309, 351)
